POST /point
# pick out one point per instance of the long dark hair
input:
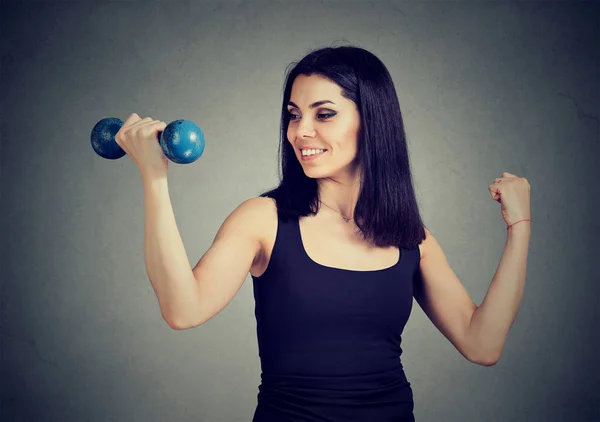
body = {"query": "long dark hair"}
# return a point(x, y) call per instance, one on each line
point(386, 211)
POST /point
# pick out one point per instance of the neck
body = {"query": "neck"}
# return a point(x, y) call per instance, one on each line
point(339, 197)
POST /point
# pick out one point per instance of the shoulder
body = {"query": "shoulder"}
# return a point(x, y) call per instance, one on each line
point(260, 213)
point(250, 215)
point(431, 250)
point(429, 239)
point(261, 217)
point(260, 207)
point(257, 205)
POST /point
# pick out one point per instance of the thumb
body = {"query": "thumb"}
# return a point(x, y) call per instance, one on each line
point(493, 189)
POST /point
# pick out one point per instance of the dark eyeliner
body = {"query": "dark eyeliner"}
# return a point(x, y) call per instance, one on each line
point(326, 115)
point(319, 115)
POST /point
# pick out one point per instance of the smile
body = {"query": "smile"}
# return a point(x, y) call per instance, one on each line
point(312, 157)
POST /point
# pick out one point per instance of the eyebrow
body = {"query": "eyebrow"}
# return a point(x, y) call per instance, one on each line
point(313, 105)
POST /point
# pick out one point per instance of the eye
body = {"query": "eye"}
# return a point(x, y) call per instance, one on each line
point(325, 115)
point(319, 115)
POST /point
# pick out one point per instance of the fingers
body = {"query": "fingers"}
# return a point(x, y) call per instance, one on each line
point(138, 124)
point(493, 189)
point(151, 127)
point(135, 123)
point(142, 125)
point(135, 128)
point(131, 120)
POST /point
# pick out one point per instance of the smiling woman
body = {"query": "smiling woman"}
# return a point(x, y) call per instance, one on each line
point(334, 285)
point(343, 101)
point(337, 126)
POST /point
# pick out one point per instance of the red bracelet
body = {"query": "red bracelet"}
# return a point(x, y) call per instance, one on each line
point(525, 219)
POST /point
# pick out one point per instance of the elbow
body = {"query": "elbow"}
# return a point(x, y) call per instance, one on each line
point(181, 317)
point(488, 359)
point(173, 323)
point(487, 362)
point(479, 354)
point(176, 325)
point(180, 323)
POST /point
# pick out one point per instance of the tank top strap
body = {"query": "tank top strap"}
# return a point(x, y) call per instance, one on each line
point(287, 247)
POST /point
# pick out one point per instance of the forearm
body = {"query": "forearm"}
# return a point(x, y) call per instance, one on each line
point(493, 318)
point(166, 259)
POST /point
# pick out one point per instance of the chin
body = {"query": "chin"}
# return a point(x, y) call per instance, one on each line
point(316, 174)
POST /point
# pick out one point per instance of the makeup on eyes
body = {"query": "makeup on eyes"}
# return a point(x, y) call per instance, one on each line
point(328, 115)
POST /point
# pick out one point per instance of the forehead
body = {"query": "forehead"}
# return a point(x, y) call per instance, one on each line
point(307, 89)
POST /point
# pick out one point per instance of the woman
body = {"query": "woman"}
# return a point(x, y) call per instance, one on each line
point(336, 252)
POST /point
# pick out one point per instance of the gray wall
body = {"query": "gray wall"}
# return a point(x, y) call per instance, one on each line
point(485, 87)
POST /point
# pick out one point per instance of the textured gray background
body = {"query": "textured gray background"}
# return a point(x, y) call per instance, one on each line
point(485, 87)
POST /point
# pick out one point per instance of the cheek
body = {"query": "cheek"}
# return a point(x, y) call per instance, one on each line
point(290, 134)
point(351, 137)
point(343, 140)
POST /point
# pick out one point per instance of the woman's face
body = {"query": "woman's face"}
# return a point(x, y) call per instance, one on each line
point(321, 118)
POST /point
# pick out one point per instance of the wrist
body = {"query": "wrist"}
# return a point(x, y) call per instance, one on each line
point(522, 228)
point(520, 221)
point(153, 176)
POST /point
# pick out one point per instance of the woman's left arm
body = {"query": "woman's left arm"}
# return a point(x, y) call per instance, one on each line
point(479, 332)
point(493, 318)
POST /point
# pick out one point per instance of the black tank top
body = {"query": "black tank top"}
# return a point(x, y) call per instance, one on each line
point(329, 338)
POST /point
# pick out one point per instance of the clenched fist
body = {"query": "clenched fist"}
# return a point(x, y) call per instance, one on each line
point(139, 138)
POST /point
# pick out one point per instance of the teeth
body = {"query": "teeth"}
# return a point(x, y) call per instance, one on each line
point(306, 152)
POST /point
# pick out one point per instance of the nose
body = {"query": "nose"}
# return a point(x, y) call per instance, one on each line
point(305, 128)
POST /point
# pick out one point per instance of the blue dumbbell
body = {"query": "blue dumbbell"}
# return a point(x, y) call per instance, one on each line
point(182, 141)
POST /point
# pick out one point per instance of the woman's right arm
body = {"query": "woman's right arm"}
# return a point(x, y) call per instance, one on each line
point(189, 297)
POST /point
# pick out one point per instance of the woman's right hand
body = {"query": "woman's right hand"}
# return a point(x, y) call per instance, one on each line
point(139, 139)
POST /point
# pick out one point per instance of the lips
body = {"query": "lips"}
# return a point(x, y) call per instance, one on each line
point(312, 157)
point(310, 147)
